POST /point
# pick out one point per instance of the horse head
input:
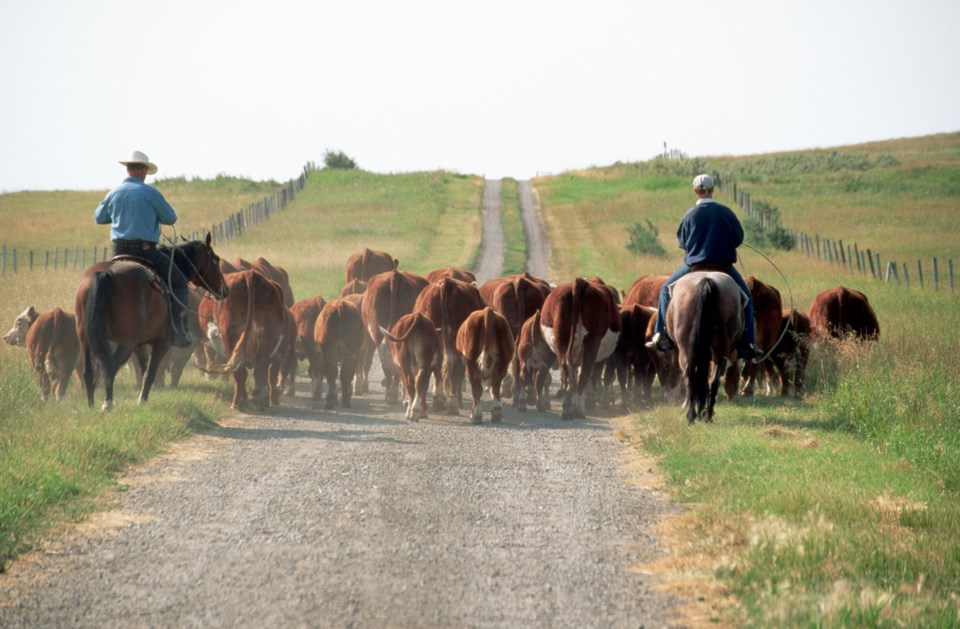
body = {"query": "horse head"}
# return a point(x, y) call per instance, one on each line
point(201, 266)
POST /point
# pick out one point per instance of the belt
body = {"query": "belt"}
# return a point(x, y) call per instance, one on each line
point(143, 245)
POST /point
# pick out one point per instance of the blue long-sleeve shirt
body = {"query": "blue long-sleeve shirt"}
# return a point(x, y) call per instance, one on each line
point(135, 211)
point(710, 233)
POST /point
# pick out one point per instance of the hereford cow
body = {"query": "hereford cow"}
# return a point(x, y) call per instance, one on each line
point(52, 345)
point(516, 298)
point(581, 323)
point(365, 358)
point(793, 351)
point(535, 360)
point(276, 273)
point(458, 274)
point(631, 361)
point(305, 313)
point(364, 265)
point(415, 349)
point(666, 365)
point(843, 311)
point(249, 328)
point(486, 347)
point(448, 303)
point(353, 287)
point(645, 290)
point(768, 317)
point(388, 297)
point(339, 335)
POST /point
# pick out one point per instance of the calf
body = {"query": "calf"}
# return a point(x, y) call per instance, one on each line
point(415, 349)
point(339, 335)
point(305, 313)
point(51, 341)
point(485, 345)
point(767, 308)
point(793, 351)
point(535, 360)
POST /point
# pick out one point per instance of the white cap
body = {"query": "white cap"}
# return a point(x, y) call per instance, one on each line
point(702, 183)
point(139, 157)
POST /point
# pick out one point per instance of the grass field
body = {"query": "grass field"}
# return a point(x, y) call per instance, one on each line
point(838, 510)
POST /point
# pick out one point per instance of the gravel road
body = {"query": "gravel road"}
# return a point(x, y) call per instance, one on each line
point(357, 518)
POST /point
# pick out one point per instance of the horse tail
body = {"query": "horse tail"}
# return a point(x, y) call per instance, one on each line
point(243, 350)
point(706, 308)
point(95, 320)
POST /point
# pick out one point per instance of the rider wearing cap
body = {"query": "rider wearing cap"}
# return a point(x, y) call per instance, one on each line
point(135, 212)
point(709, 234)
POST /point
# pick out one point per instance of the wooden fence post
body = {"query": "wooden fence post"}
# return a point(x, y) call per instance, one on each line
point(906, 275)
point(949, 269)
point(3, 261)
point(920, 273)
point(15, 264)
point(936, 275)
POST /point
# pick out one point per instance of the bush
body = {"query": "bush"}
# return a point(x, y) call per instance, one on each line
point(338, 160)
point(643, 240)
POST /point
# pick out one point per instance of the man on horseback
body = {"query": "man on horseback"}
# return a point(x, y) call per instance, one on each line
point(135, 212)
point(709, 234)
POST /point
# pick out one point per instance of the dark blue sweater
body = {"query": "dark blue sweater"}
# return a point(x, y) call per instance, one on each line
point(711, 233)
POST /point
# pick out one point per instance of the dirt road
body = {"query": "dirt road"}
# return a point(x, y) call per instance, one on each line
point(357, 518)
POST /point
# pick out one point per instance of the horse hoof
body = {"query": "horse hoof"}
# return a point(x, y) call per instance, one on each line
point(106, 406)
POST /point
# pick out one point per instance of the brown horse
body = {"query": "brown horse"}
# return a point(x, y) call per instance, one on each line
point(705, 320)
point(122, 304)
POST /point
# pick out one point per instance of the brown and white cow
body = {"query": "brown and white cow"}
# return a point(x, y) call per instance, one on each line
point(448, 303)
point(305, 313)
point(535, 360)
point(339, 334)
point(581, 323)
point(458, 274)
point(768, 317)
point(793, 351)
point(486, 347)
point(276, 273)
point(631, 360)
point(388, 297)
point(367, 263)
point(415, 349)
point(666, 365)
point(516, 298)
point(645, 290)
point(52, 345)
point(249, 328)
point(841, 312)
point(353, 287)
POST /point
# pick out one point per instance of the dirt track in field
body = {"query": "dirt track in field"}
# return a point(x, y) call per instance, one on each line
point(355, 517)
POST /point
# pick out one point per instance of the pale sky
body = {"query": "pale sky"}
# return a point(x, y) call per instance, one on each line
point(496, 88)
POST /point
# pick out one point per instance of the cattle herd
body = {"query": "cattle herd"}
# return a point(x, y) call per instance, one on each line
point(505, 335)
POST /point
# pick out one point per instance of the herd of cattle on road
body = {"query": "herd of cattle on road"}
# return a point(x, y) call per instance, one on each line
point(505, 335)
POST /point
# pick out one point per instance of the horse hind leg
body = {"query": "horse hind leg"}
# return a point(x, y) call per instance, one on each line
point(153, 365)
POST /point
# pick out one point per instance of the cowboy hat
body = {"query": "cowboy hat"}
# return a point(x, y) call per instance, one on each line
point(138, 157)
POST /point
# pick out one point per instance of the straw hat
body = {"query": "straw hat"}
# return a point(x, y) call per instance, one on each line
point(138, 157)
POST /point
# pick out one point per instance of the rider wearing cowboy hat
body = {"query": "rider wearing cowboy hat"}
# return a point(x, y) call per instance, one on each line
point(135, 212)
point(709, 234)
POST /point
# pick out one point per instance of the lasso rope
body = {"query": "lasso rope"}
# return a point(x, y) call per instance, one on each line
point(786, 328)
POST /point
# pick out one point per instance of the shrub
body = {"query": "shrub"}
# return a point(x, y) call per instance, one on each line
point(338, 160)
point(643, 240)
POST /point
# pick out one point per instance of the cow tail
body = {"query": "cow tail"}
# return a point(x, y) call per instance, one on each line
point(517, 291)
point(244, 349)
point(576, 298)
point(95, 320)
point(446, 374)
point(706, 311)
point(49, 342)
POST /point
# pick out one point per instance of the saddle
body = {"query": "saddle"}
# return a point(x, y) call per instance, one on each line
point(156, 280)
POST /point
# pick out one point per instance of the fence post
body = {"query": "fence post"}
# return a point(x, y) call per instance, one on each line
point(920, 273)
point(30, 266)
point(906, 275)
point(870, 257)
point(936, 275)
point(56, 256)
point(15, 264)
point(3, 261)
point(949, 268)
point(843, 257)
point(878, 263)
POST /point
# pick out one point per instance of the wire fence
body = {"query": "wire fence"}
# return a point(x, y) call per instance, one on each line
point(233, 226)
point(851, 256)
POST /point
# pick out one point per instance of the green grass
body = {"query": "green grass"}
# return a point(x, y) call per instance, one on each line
point(515, 245)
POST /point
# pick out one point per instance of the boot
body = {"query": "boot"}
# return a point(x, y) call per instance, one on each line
point(660, 342)
point(181, 333)
point(751, 353)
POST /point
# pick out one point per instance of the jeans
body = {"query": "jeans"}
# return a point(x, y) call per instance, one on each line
point(749, 334)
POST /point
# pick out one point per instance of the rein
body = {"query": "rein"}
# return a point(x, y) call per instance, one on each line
point(786, 328)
